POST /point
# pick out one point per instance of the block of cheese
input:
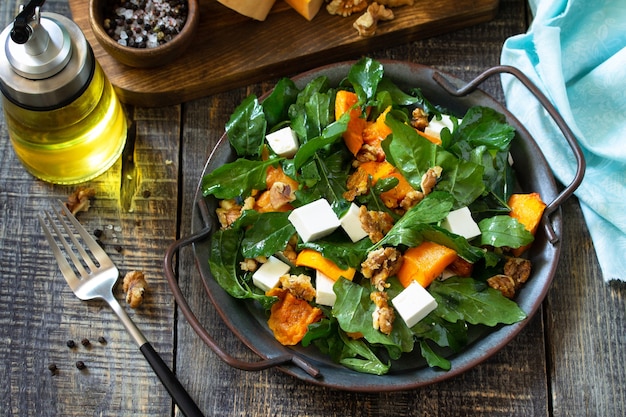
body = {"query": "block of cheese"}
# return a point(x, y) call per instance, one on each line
point(414, 303)
point(314, 220)
point(324, 293)
point(283, 142)
point(307, 8)
point(435, 126)
point(256, 9)
point(460, 222)
point(351, 224)
point(268, 275)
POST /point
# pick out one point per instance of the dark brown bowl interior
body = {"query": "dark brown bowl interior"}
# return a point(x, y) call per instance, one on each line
point(147, 57)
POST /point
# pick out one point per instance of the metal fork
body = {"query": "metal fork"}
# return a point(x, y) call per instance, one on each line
point(95, 279)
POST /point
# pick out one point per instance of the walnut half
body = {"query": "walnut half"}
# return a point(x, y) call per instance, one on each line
point(367, 23)
point(135, 286)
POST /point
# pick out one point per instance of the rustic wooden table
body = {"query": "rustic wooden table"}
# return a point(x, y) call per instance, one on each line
point(569, 360)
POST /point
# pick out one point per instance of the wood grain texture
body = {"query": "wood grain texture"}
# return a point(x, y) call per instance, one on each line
point(568, 361)
point(231, 50)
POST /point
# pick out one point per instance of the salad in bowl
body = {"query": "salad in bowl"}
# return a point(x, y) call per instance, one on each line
point(385, 231)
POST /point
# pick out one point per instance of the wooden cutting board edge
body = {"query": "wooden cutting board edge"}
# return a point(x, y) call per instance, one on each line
point(194, 76)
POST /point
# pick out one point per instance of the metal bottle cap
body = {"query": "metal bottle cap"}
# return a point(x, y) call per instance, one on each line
point(47, 65)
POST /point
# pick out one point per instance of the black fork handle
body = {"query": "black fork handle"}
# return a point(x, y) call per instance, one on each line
point(180, 396)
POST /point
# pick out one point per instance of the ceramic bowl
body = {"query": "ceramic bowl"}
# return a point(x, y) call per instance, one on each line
point(143, 57)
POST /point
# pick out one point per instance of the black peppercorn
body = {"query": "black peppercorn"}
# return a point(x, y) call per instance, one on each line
point(85, 342)
point(102, 340)
point(80, 365)
point(70, 344)
point(53, 368)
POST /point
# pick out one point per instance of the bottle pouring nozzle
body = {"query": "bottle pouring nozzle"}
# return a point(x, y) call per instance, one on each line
point(22, 31)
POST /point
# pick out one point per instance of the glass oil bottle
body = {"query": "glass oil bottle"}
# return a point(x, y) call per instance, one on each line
point(65, 123)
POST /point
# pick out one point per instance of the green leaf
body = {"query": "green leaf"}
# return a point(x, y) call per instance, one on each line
point(276, 105)
point(365, 76)
point(343, 253)
point(474, 302)
point(504, 231)
point(358, 356)
point(484, 126)
point(246, 128)
point(268, 235)
point(224, 266)
point(330, 135)
point(237, 178)
point(433, 359)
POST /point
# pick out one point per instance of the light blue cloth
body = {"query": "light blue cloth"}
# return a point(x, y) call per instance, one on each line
point(575, 51)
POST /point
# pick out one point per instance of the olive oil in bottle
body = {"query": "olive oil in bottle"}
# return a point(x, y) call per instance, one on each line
point(65, 123)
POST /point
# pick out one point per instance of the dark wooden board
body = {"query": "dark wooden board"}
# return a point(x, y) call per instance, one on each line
point(231, 50)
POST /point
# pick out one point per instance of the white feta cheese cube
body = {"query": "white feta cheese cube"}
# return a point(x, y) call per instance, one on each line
point(324, 293)
point(414, 303)
point(351, 223)
point(460, 222)
point(283, 141)
point(435, 126)
point(268, 275)
point(314, 220)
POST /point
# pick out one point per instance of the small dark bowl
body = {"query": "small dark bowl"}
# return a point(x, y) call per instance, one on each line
point(143, 57)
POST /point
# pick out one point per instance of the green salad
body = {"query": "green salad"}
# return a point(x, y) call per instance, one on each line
point(469, 167)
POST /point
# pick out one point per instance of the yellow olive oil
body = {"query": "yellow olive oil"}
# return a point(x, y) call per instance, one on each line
point(73, 143)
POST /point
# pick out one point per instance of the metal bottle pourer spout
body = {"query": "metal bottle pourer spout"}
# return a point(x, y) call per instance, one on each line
point(38, 50)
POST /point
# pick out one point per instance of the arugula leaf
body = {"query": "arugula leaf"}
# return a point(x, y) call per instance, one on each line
point(353, 349)
point(442, 332)
point(237, 178)
point(501, 231)
point(276, 104)
point(365, 76)
point(463, 179)
point(353, 311)
point(330, 135)
point(301, 111)
point(409, 229)
point(246, 128)
point(484, 126)
point(224, 266)
point(409, 152)
point(433, 359)
point(474, 302)
point(398, 96)
point(343, 253)
point(268, 235)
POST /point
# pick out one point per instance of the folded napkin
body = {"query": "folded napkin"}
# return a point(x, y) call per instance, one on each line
point(575, 52)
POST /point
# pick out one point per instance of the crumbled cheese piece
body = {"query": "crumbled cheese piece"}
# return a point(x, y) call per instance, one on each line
point(324, 293)
point(435, 126)
point(351, 223)
point(284, 142)
point(314, 220)
point(460, 222)
point(414, 303)
point(268, 275)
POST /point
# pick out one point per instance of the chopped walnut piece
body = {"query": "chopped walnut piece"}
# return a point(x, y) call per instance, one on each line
point(80, 200)
point(249, 265)
point(411, 199)
point(375, 223)
point(135, 286)
point(369, 153)
point(298, 285)
point(429, 179)
point(367, 23)
point(516, 272)
point(290, 251)
point(229, 210)
point(345, 7)
point(281, 194)
point(357, 184)
point(383, 316)
point(380, 265)
point(419, 119)
point(503, 283)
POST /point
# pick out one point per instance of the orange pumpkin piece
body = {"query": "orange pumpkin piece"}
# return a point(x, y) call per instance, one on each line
point(263, 204)
point(384, 169)
point(276, 174)
point(528, 210)
point(424, 263)
point(313, 259)
point(431, 138)
point(290, 317)
point(353, 136)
